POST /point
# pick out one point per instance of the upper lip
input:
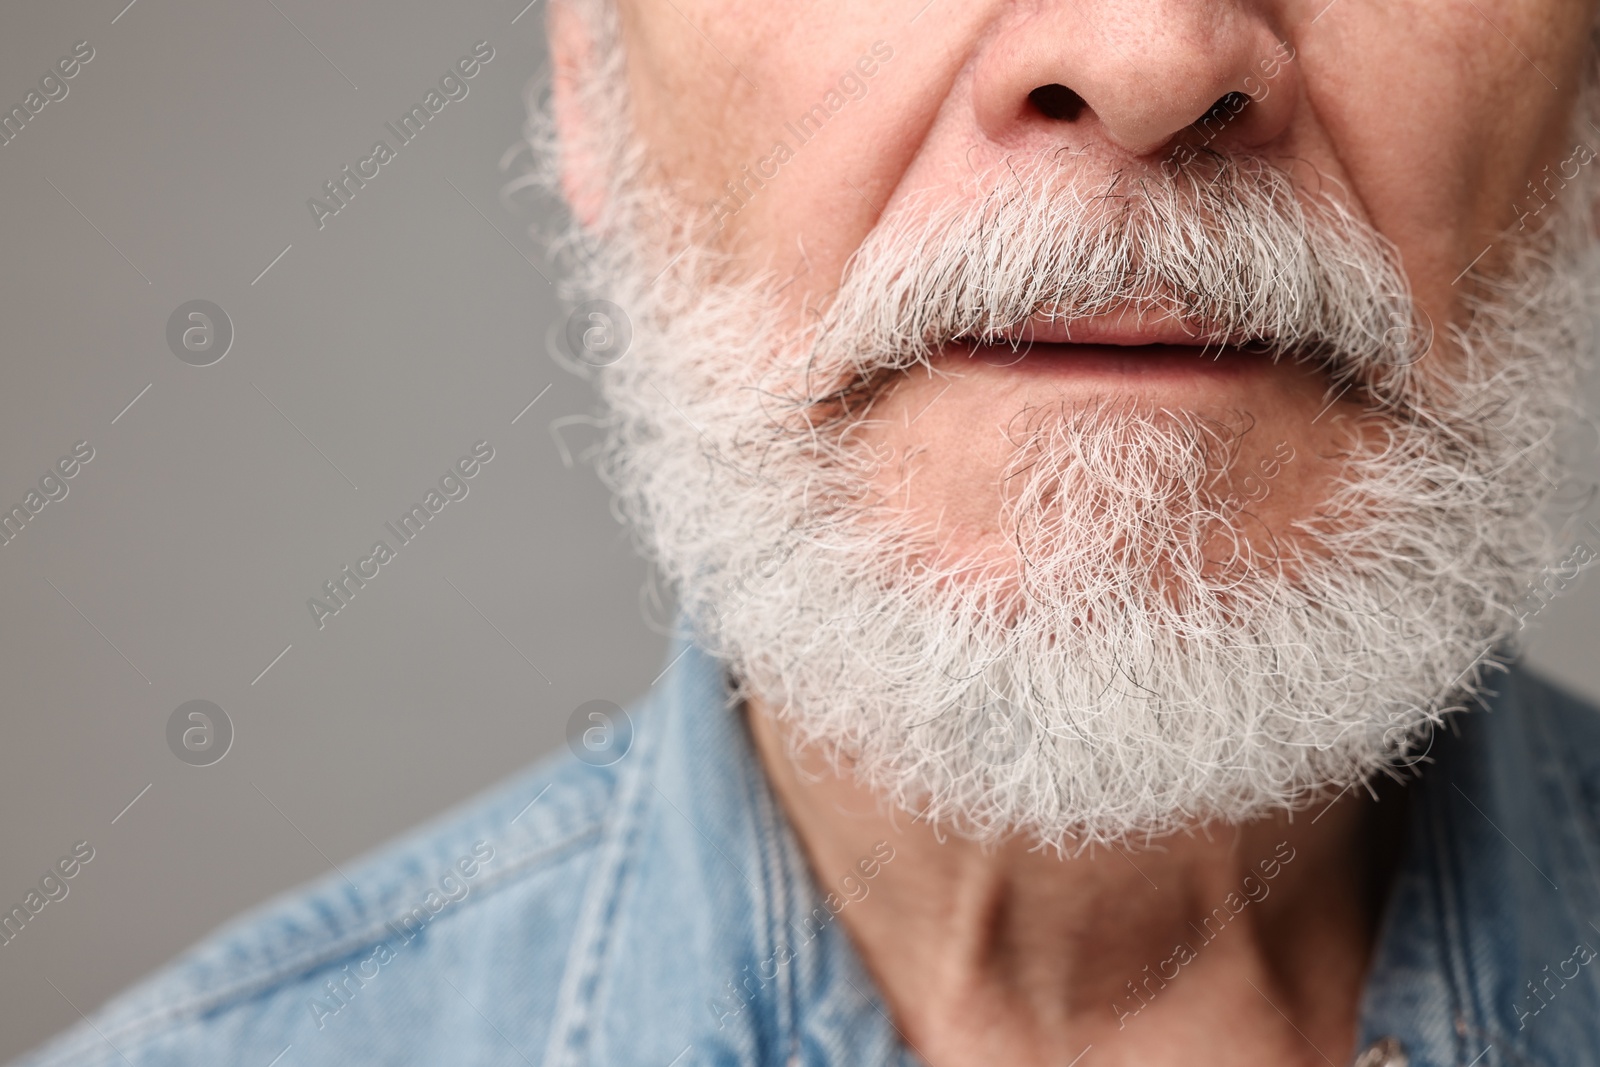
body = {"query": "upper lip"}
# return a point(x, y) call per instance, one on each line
point(1122, 328)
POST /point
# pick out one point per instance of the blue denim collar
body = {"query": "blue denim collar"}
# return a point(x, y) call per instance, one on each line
point(1496, 823)
point(705, 920)
point(1485, 956)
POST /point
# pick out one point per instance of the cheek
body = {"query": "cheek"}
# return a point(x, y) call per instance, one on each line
point(696, 95)
point(709, 108)
point(1437, 120)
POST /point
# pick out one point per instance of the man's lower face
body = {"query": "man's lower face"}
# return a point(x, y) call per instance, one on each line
point(1080, 523)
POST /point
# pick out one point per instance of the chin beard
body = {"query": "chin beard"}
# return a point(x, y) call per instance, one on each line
point(1145, 666)
point(1138, 664)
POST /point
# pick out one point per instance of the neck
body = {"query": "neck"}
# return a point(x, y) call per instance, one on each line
point(1246, 943)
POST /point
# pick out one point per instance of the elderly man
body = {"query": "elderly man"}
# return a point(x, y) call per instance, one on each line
point(1102, 451)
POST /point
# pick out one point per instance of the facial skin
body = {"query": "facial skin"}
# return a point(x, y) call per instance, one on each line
point(1354, 111)
point(1426, 118)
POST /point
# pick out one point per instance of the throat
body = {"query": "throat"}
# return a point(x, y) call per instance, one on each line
point(1243, 943)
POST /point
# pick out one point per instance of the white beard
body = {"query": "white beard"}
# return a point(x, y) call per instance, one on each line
point(1117, 680)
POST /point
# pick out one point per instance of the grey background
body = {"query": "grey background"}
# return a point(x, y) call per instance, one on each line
point(366, 360)
point(396, 336)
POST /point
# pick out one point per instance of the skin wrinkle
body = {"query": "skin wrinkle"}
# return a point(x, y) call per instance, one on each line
point(1505, 81)
point(1044, 645)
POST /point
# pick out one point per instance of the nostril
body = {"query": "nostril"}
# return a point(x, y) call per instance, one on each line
point(1226, 107)
point(1056, 102)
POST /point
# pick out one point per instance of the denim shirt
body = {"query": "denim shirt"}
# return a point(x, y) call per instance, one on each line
point(658, 912)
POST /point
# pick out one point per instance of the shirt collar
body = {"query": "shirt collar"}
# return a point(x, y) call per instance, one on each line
point(1480, 957)
point(706, 939)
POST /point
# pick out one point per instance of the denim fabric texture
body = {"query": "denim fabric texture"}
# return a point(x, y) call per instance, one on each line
point(658, 912)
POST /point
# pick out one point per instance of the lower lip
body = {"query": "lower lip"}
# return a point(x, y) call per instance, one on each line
point(1122, 362)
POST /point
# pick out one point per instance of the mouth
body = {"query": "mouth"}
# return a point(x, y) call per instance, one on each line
point(1119, 346)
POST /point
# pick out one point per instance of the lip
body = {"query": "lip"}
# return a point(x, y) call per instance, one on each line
point(1125, 362)
point(1122, 346)
point(1124, 329)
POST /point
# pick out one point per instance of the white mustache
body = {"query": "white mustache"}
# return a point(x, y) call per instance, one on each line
point(1230, 247)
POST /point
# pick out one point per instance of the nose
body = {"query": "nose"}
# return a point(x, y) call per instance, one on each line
point(1136, 75)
